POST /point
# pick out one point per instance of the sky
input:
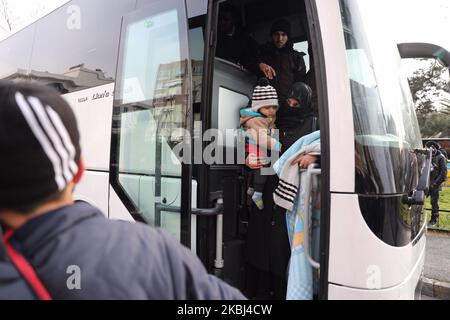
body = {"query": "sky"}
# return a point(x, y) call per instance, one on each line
point(24, 12)
point(423, 20)
point(410, 20)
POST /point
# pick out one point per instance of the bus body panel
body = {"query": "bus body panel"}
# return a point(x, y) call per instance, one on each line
point(196, 8)
point(358, 258)
point(409, 289)
point(93, 109)
point(341, 139)
point(93, 189)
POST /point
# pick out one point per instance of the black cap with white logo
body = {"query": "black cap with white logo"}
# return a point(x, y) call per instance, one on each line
point(39, 144)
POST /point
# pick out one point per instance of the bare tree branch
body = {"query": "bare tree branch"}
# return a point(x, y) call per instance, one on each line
point(5, 15)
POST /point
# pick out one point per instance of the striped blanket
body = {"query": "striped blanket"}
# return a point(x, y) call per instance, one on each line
point(290, 195)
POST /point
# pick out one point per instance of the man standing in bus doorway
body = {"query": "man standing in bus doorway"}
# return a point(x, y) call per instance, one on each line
point(437, 177)
point(67, 250)
point(284, 66)
point(278, 60)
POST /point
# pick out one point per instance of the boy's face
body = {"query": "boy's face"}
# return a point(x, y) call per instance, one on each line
point(268, 111)
point(293, 102)
point(280, 39)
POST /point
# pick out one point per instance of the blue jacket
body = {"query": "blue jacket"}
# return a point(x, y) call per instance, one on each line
point(115, 259)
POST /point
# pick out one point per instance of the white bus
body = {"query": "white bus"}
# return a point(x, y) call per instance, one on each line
point(140, 73)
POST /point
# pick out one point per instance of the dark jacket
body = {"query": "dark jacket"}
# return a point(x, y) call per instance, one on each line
point(288, 63)
point(12, 286)
point(438, 170)
point(267, 246)
point(116, 259)
point(296, 122)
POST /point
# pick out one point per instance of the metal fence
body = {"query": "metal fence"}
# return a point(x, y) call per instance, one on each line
point(444, 210)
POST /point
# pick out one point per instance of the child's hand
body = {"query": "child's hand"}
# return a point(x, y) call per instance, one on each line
point(254, 162)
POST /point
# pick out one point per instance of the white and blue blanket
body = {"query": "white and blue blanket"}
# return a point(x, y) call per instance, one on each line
point(290, 195)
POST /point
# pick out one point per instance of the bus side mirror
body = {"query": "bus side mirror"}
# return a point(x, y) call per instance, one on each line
point(418, 196)
point(424, 50)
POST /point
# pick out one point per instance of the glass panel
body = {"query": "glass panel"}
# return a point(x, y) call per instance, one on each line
point(152, 105)
point(386, 126)
point(304, 47)
point(429, 82)
point(196, 46)
point(76, 46)
point(230, 103)
point(15, 55)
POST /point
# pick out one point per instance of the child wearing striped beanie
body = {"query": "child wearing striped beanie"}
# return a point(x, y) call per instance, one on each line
point(258, 123)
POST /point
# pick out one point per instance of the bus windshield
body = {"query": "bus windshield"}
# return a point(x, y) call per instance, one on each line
point(386, 126)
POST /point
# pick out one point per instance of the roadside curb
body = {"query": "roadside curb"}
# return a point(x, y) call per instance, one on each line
point(436, 289)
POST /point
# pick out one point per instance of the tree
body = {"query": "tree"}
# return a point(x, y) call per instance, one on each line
point(430, 89)
point(5, 16)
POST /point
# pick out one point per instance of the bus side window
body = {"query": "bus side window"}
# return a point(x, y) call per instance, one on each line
point(15, 55)
point(79, 56)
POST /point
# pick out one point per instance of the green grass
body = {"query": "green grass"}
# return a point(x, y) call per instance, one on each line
point(444, 204)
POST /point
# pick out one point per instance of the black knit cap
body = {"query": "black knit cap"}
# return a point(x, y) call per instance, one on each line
point(39, 144)
point(433, 144)
point(281, 25)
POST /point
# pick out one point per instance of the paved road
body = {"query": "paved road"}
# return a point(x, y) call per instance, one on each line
point(423, 297)
point(437, 257)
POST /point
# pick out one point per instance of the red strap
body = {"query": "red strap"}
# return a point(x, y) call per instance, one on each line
point(25, 268)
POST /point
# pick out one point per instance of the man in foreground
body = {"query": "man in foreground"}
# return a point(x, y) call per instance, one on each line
point(67, 250)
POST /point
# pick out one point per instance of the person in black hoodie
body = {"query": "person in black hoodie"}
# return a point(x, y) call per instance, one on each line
point(437, 177)
point(295, 118)
point(278, 61)
point(67, 250)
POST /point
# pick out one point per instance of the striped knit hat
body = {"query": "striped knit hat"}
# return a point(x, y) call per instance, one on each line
point(264, 95)
point(39, 144)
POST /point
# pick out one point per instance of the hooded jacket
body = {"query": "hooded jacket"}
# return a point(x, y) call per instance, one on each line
point(288, 63)
point(439, 170)
point(115, 259)
point(258, 128)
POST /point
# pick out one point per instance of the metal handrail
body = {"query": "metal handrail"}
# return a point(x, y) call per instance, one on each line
point(308, 186)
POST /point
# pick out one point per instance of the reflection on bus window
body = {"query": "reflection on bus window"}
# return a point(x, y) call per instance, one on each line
point(73, 58)
point(152, 100)
point(152, 66)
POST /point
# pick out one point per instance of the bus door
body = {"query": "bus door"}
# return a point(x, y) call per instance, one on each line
point(227, 88)
point(151, 171)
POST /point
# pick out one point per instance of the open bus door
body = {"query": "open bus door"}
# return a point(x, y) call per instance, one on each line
point(228, 87)
point(151, 167)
